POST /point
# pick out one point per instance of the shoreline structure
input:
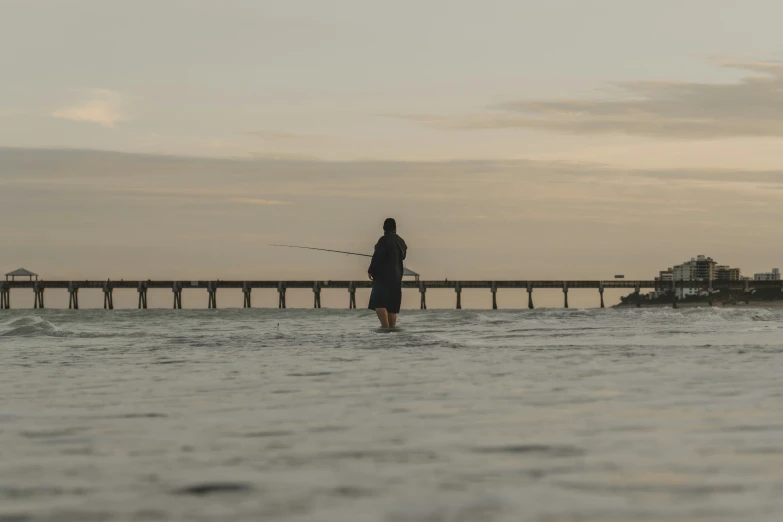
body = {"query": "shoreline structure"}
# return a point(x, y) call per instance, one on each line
point(719, 291)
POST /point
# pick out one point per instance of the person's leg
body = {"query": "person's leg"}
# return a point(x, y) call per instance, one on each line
point(383, 317)
point(393, 305)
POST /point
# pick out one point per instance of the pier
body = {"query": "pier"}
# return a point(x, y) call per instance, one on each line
point(38, 288)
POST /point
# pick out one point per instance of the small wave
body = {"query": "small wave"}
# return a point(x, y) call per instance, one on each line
point(210, 488)
point(264, 434)
point(23, 492)
point(488, 318)
point(534, 449)
point(29, 325)
point(734, 314)
point(351, 491)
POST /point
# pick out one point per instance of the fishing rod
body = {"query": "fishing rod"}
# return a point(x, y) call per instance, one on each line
point(323, 250)
point(406, 271)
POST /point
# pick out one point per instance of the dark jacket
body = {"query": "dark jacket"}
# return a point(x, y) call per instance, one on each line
point(386, 265)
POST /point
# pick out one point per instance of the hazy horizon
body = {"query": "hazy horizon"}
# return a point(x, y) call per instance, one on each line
point(511, 140)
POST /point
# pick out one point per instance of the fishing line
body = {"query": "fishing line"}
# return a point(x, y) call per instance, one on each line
point(323, 250)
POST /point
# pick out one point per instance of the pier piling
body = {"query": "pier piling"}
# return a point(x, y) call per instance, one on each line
point(458, 290)
point(317, 295)
point(494, 290)
point(351, 295)
point(246, 289)
point(73, 296)
point(601, 292)
point(565, 295)
point(281, 294)
point(674, 294)
point(5, 297)
point(142, 289)
point(423, 292)
point(38, 292)
point(530, 297)
point(638, 296)
point(108, 297)
point(177, 291)
point(212, 295)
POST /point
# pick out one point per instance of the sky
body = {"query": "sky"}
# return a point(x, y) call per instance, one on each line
point(510, 139)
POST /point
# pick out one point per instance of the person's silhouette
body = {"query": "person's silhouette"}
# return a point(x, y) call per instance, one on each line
point(386, 271)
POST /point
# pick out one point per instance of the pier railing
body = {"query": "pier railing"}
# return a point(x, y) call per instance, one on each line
point(212, 286)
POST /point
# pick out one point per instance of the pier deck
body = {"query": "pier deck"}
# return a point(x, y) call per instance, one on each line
point(205, 283)
point(211, 286)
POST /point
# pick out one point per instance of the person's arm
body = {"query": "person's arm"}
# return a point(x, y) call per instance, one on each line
point(377, 257)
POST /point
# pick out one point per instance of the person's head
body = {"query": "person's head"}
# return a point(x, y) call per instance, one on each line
point(390, 225)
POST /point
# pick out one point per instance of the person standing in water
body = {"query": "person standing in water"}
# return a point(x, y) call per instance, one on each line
point(386, 274)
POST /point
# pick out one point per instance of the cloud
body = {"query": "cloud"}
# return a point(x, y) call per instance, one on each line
point(473, 219)
point(281, 156)
point(681, 110)
point(254, 201)
point(103, 107)
point(275, 135)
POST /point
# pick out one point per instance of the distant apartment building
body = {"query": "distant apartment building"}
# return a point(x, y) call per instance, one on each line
point(725, 273)
point(699, 268)
point(663, 282)
point(768, 276)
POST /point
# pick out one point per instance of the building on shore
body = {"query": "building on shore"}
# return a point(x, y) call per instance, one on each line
point(663, 282)
point(726, 273)
point(768, 276)
point(699, 268)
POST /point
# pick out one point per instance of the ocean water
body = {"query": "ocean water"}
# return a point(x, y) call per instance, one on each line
point(314, 415)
